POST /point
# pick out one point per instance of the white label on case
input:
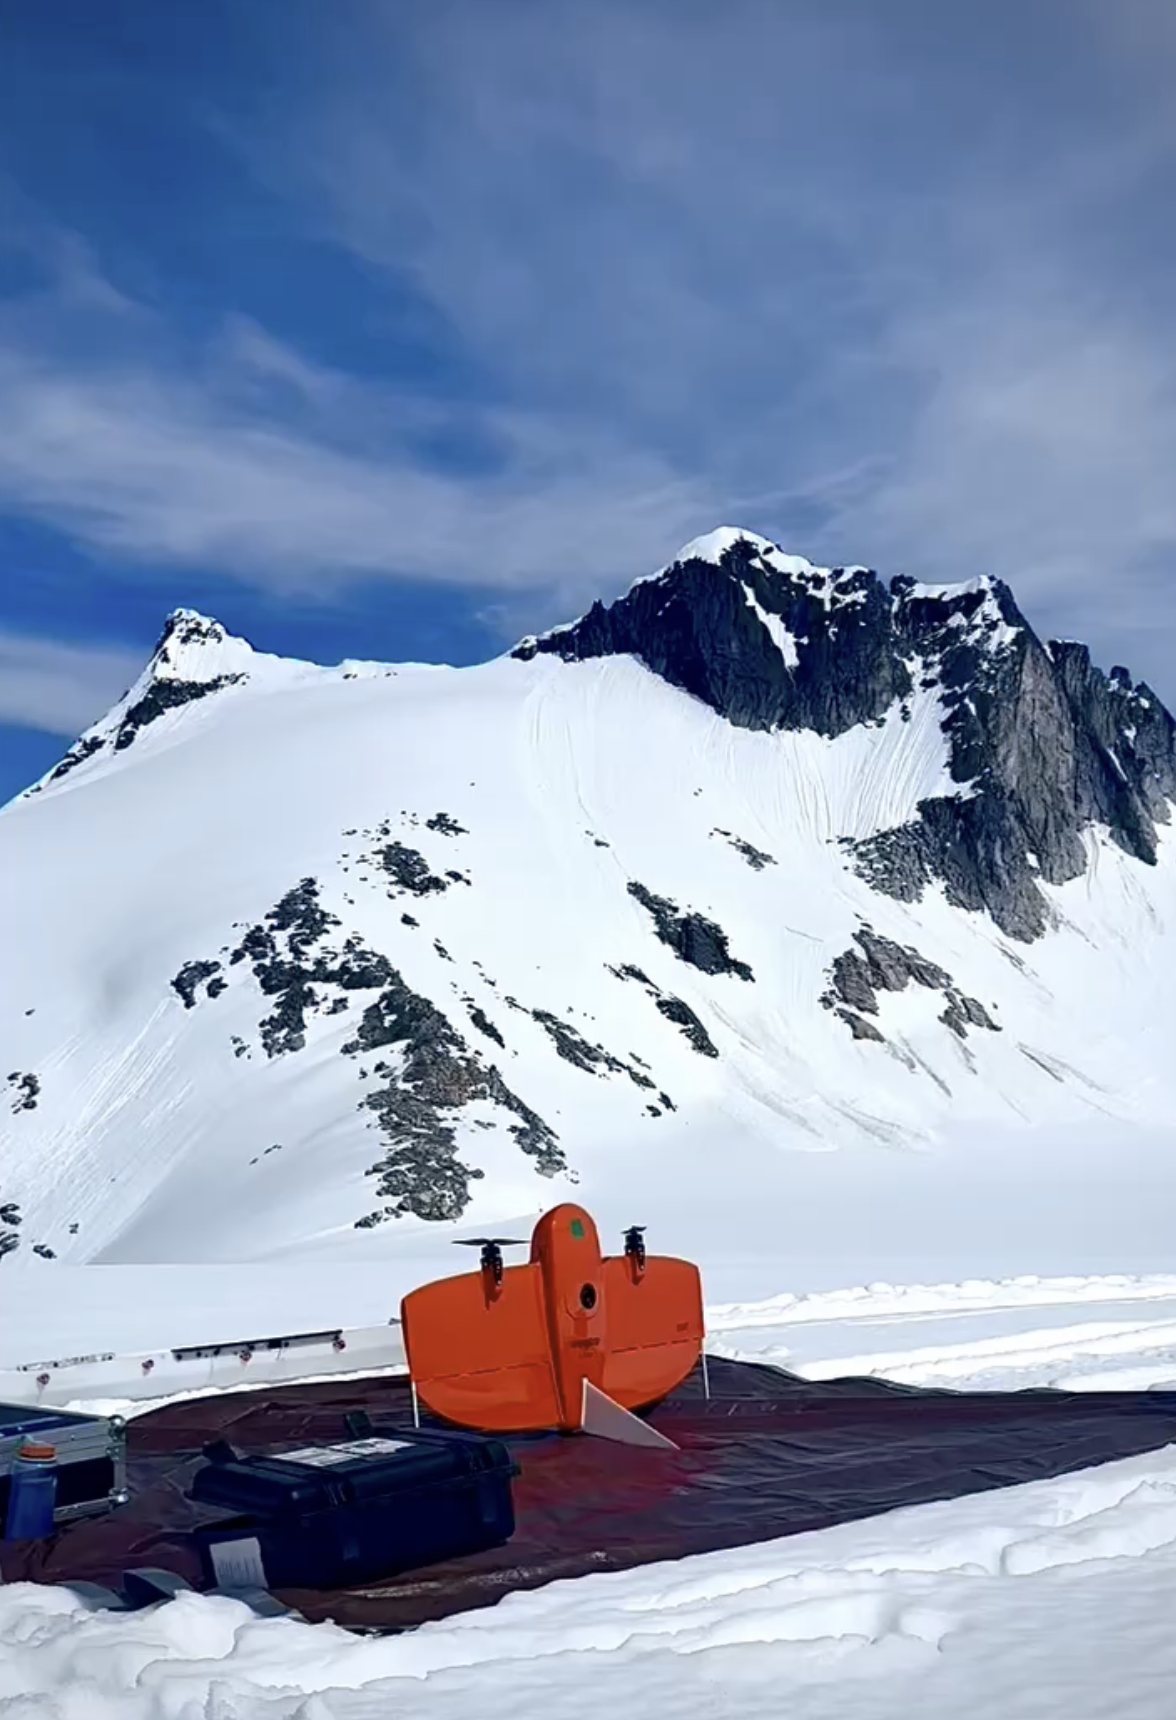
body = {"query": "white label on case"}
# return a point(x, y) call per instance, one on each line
point(238, 1564)
point(321, 1455)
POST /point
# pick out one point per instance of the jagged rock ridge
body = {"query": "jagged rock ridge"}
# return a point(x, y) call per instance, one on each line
point(1042, 744)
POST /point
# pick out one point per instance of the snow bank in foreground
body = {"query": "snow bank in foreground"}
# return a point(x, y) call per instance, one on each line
point(1053, 1599)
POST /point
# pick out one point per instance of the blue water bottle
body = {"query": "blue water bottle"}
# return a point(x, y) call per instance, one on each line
point(32, 1493)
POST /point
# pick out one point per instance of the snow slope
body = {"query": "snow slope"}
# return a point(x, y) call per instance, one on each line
point(798, 1155)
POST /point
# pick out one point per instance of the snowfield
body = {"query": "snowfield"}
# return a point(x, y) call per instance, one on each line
point(1071, 1334)
point(172, 1121)
point(1051, 1599)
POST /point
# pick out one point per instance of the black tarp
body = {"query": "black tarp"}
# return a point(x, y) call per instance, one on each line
point(768, 1455)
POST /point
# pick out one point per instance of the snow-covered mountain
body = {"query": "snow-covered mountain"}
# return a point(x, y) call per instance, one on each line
point(765, 873)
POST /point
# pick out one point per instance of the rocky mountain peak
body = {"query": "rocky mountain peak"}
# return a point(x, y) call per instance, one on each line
point(194, 647)
point(1041, 743)
point(194, 657)
point(768, 640)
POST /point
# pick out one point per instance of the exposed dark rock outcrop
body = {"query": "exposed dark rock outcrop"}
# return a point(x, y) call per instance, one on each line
point(78, 754)
point(879, 964)
point(26, 1091)
point(300, 918)
point(756, 858)
point(692, 937)
point(445, 825)
point(533, 1136)
point(882, 966)
point(695, 627)
point(10, 1222)
point(432, 1076)
point(288, 968)
point(628, 971)
point(165, 695)
point(409, 870)
point(860, 1028)
point(191, 977)
point(684, 1017)
point(674, 1009)
point(297, 976)
point(964, 1012)
point(572, 1046)
point(186, 628)
point(484, 1025)
point(435, 1076)
point(1042, 744)
point(165, 692)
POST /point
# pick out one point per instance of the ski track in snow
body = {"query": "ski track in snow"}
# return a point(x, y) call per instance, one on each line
point(977, 1336)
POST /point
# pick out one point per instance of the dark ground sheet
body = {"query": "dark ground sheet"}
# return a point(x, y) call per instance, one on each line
point(768, 1455)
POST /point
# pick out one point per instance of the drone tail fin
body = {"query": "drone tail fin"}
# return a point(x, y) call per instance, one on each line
point(606, 1419)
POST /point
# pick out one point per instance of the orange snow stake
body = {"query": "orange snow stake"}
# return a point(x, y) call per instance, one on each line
point(516, 1349)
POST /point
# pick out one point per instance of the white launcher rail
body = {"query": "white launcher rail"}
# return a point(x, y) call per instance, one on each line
point(194, 1369)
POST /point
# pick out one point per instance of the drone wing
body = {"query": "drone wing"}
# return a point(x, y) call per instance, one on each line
point(482, 1360)
point(655, 1328)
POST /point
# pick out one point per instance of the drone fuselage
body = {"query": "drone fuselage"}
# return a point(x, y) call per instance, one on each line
point(512, 1353)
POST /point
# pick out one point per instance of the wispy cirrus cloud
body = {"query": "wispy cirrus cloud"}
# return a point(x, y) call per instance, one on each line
point(902, 277)
point(891, 284)
point(249, 457)
point(60, 688)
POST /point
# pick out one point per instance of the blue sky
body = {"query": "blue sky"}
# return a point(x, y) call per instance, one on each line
point(392, 330)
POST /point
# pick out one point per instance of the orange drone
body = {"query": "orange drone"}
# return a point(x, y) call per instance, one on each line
point(573, 1340)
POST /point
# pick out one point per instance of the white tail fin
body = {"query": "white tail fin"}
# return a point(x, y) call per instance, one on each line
point(606, 1419)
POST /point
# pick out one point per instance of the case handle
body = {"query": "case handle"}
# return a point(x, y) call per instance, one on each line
point(219, 1451)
